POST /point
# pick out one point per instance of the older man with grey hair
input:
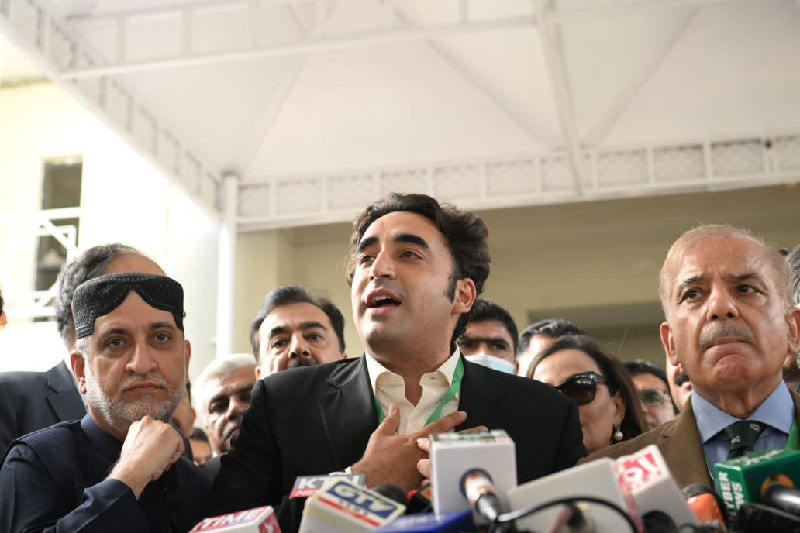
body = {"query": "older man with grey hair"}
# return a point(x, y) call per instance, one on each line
point(121, 467)
point(223, 394)
point(791, 366)
point(730, 323)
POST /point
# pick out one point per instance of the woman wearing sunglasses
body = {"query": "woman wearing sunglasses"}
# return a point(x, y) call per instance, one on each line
point(608, 403)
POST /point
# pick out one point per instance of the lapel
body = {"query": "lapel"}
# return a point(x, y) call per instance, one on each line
point(62, 395)
point(347, 409)
point(683, 450)
point(478, 397)
point(796, 399)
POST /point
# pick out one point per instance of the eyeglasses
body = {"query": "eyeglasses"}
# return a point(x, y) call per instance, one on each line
point(654, 396)
point(582, 388)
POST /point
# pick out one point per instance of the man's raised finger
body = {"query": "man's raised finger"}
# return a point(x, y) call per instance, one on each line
point(446, 423)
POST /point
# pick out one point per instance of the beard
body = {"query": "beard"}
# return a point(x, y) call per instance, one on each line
point(119, 413)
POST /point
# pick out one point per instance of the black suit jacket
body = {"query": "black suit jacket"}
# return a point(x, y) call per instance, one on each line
point(36, 400)
point(317, 420)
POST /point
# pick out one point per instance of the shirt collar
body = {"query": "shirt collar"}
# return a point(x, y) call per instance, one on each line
point(108, 445)
point(375, 369)
point(776, 411)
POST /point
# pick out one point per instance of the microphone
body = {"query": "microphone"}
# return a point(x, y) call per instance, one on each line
point(756, 517)
point(705, 504)
point(787, 499)
point(597, 480)
point(740, 480)
point(420, 500)
point(342, 506)
point(457, 522)
point(477, 487)
point(644, 477)
point(290, 512)
point(257, 520)
point(453, 454)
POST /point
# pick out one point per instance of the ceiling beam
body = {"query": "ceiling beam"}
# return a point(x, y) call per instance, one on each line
point(627, 95)
point(559, 83)
point(306, 45)
point(505, 105)
point(614, 8)
point(85, 19)
point(279, 94)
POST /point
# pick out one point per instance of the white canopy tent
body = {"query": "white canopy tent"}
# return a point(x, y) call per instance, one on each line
point(276, 113)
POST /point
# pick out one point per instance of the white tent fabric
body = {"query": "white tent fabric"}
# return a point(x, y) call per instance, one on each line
point(316, 107)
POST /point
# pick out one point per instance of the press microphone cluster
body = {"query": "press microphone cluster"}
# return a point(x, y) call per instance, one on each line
point(473, 486)
point(344, 506)
point(759, 491)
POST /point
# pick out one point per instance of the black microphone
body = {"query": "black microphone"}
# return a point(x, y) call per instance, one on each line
point(780, 496)
point(757, 518)
point(393, 492)
point(477, 487)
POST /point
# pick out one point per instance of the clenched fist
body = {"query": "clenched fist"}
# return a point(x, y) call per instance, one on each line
point(150, 448)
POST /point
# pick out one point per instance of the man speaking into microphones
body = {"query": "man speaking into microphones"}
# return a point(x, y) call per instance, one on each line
point(730, 323)
point(415, 268)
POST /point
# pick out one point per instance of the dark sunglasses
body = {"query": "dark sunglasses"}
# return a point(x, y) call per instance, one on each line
point(582, 388)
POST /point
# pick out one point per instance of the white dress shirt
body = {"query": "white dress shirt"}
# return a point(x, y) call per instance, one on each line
point(390, 388)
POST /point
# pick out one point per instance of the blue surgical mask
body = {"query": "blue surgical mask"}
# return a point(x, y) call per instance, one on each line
point(490, 361)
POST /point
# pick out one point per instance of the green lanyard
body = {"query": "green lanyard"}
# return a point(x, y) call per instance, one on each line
point(791, 444)
point(457, 375)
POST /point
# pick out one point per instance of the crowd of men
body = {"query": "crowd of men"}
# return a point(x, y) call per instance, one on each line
point(105, 440)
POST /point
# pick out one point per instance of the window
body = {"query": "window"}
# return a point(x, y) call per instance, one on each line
point(61, 187)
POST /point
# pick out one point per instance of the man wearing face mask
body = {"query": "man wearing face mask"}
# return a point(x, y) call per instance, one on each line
point(490, 337)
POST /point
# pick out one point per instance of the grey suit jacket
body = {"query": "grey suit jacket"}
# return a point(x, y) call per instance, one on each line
point(679, 442)
point(36, 400)
point(317, 420)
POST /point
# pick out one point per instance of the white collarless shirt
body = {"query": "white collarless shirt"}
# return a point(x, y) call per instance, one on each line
point(390, 388)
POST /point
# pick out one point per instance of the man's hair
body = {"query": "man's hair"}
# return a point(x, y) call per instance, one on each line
point(199, 434)
point(1, 301)
point(217, 368)
point(551, 327)
point(465, 235)
point(690, 238)
point(484, 310)
point(90, 264)
point(794, 267)
point(640, 366)
point(294, 294)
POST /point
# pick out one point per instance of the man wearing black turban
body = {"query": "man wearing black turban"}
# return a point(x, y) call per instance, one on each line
point(120, 468)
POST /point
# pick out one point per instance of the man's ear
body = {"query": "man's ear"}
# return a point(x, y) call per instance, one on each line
point(793, 321)
point(665, 331)
point(258, 372)
point(188, 351)
point(465, 296)
point(78, 366)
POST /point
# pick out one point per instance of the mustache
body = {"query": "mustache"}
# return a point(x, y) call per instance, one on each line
point(298, 362)
point(150, 377)
point(680, 378)
point(717, 330)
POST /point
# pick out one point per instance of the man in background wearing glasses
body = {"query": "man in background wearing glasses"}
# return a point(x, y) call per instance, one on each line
point(653, 387)
point(730, 323)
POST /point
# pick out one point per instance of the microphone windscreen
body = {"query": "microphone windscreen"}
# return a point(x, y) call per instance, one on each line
point(393, 492)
